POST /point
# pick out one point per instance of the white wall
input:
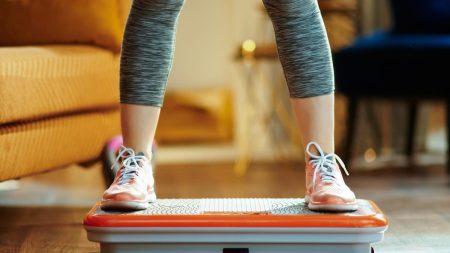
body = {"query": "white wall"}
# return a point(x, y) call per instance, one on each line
point(208, 34)
point(203, 46)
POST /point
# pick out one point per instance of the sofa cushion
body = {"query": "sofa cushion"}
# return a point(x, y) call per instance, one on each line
point(30, 22)
point(125, 6)
point(42, 145)
point(42, 81)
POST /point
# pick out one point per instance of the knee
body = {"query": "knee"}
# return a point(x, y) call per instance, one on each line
point(159, 5)
point(286, 8)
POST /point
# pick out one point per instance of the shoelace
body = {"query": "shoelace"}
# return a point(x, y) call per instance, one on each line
point(130, 164)
point(323, 164)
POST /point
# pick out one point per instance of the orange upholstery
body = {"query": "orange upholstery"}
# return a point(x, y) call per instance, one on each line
point(28, 148)
point(125, 6)
point(59, 103)
point(96, 22)
point(40, 81)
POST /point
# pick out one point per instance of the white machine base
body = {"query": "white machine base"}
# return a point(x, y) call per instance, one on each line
point(235, 248)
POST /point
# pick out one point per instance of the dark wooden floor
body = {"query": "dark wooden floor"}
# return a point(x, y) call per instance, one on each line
point(417, 203)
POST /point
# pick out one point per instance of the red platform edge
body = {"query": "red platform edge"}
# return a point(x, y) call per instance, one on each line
point(321, 220)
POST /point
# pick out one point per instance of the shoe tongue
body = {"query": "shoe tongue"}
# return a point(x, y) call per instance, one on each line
point(330, 168)
point(331, 159)
point(138, 154)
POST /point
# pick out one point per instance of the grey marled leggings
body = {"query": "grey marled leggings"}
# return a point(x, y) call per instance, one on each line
point(149, 39)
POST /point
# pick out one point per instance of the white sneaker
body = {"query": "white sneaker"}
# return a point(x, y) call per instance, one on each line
point(325, 187)
point(132, 188)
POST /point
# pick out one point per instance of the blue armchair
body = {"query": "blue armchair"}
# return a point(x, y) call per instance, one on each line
point(409, 61)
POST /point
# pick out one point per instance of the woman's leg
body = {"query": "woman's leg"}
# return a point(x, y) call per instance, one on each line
point(306, 59)
point(305, 55)
point(139, 126)
point(315, 119)
point(146, 60)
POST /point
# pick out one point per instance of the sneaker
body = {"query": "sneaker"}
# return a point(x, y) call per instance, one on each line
point(132, 188)
point(325, 187)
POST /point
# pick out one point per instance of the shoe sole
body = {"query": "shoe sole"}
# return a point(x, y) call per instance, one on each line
point(331, 208)
point(127, 205)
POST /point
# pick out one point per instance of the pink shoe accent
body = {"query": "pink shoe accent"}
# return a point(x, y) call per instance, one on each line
point(325, 187)
point(132, 188)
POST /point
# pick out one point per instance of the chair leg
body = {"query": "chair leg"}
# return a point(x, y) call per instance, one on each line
point(375, 125)
point(351, 127)
point(448, 135)
point(411, 128)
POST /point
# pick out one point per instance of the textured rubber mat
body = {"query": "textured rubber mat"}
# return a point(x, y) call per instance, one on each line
point(236, 206)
